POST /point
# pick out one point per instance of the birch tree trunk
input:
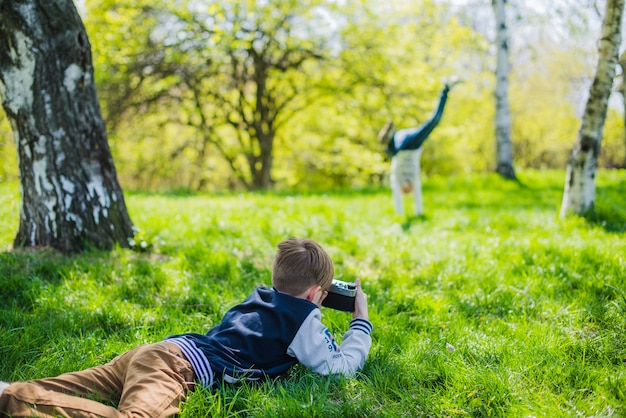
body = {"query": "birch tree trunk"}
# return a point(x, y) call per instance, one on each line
point(622, 63)
point(71, 198)
point(504, 149)
point(580, 187)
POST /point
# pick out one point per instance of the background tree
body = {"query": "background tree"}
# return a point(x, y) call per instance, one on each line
point(579, 193)
point(150, 82)
point(266, 57)
point(504, 149)
point(235, 72)
point(70, 195)
point(622, 63)
point(160, 66)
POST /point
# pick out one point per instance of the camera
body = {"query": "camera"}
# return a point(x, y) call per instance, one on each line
point(341, 296)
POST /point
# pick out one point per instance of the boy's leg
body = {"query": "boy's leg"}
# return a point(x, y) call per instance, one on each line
point(70, 394)
point(157, 381)
point(28, 399)
point(396, 188)
point(417, 185)
point(414, 138)
point(417, 197)
point(151, 381)
point(398, 198)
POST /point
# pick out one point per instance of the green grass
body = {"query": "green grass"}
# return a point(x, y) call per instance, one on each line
point(490, 305)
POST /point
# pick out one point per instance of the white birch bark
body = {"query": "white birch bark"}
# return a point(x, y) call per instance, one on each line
point(622, 63)
point(580, 187)
point(504, 148)
point(71, 198)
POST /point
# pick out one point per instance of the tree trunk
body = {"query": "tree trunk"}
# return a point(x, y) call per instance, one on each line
point(263, 123)
point(622, 63)
point(580, 187)
point(504, 149)
point(265, 174)
point(71, 198)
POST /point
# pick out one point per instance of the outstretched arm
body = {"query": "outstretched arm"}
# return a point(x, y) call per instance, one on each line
point(315, 347)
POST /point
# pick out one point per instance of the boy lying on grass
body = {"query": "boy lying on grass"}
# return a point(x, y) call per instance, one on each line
point(265, 335)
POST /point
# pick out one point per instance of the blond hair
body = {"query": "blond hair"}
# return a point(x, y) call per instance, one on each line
point(299, 264)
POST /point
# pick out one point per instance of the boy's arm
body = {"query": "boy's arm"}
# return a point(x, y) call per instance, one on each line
point(315, 347)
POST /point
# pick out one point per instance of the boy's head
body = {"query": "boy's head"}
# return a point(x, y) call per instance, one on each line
point(301, 263)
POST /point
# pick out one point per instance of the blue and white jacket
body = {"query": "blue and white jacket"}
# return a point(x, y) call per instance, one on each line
point(267, 334)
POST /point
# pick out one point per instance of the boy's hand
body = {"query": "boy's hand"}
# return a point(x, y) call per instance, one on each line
point(360, 302)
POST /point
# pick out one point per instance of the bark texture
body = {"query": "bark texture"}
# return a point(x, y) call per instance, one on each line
point(71, 198)
point(504, 148)
point(622, 63)
point(580, 186)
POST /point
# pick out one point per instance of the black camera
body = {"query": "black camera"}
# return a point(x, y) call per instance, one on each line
point(341, 296)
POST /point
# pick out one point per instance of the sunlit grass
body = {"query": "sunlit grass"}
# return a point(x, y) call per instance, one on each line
point(490, 305)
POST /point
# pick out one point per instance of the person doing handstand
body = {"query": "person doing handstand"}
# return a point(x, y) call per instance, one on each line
point(405, 149)
point(264, 336)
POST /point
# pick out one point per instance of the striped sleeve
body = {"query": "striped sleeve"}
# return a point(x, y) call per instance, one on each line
point(362, 325)
point(315, 347)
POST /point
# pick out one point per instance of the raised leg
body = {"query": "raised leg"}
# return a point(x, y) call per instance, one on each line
point(396, 187)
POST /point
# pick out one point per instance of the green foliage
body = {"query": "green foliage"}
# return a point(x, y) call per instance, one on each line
point(8, 154)
point(196, 93)
point(613, 152)
point(216, 80)
point(491, 305)
point(544, 130)
point(202, 70)
point(177, 90)
point(9, 213)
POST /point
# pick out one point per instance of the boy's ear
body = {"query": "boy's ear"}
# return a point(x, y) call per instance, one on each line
point(312, 292)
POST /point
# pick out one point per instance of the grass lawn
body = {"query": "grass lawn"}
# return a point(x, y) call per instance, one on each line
point(490, 305)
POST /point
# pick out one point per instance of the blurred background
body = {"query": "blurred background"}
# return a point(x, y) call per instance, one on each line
point(203, 95)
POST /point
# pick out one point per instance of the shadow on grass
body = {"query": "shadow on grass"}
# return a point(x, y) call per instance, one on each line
point(410, 220)
point(23, 273)
point(294, 192)
point(608, 217)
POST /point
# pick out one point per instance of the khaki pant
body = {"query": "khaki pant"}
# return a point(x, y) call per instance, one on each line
point(148, 381)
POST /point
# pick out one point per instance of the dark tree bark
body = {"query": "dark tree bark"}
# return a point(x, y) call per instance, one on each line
point(258, 107)
point(71, 198)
